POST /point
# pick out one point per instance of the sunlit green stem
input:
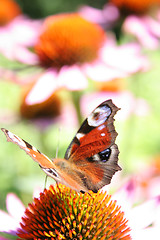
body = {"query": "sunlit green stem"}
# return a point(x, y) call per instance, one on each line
point(76, 96)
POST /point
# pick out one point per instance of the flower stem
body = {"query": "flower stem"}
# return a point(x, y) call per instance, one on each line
point(76, 96)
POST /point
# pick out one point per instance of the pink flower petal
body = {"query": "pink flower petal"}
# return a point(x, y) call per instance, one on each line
point(143, 215)
point(92, 14)
point(19, 34)
point(68, 118)
point(23, 55)
point(72, 78)
point(37, 191)
point(14, 206)
point(153, 187)
point(43, 88)
point(105, 17)
point(153, 25)
point(147, 234)
point(110, 12)
point(126, 195)
point(24, 31)
point(7, 223)
point(137, 26)
point(123, 100)
point(125, 58)
point(157, 217)
point(100, 72)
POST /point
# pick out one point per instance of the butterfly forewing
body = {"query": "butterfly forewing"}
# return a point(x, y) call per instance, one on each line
point(34, 153)
point(96, 133)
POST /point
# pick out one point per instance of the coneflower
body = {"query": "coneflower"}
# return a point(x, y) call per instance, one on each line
point(62, 213)
point(68, 39)
point(9, 9)
point(135, 6)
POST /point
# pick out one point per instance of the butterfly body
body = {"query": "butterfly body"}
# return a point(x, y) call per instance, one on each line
point(90, 160)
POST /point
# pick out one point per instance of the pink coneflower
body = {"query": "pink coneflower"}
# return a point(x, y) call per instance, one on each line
point(61, 213)
point(17, 32)
point(145, 28)
point(123, 99)
point(143, 218)
point(68, 39)
point(72, 49)
point(9, 222)
point(134, 6)
point(106, 17)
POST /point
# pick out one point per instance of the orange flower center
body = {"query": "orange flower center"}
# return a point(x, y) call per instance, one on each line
point(48, 108)
point(8, 11)
point(137, 6)
point(68, 39)
point(61, 213)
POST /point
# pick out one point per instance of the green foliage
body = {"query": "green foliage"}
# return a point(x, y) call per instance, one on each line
point(42, 9)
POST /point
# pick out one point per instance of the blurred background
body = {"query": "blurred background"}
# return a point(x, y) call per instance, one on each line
point(58, 61)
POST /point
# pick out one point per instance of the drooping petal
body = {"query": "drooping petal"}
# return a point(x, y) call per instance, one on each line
point(8, 223)
point(43, 88)
point(72, 78)
point(100, 72)
point(14, 206)
point(125, 58)
point(146, 213)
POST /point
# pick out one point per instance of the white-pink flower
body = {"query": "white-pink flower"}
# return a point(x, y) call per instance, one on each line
point(106, 17)
point(17, 36)
point(145, 28)
point(113, 62)
point(144, 218)
point(125, 100)
point(9, 222)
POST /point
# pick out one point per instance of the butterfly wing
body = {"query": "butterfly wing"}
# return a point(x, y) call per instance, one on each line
point(93, 149)
point(44, 162)
point(91, 158)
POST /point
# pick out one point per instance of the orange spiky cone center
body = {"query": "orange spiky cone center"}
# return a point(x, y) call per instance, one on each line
point(61, 213)
point(68, 39)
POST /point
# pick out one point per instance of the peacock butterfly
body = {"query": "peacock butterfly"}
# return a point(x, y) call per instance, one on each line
point(91, 158)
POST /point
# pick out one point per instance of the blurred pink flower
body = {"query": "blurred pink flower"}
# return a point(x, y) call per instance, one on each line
point(105, 17)
point(145, 28)
point(69, 60)
point(124, 100)
point(17, 36)
point(113, 62)
point(144, 218)
point(148, 180)
point(9, 222)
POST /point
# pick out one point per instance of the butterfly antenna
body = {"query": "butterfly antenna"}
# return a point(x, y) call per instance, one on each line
point(59, 130)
